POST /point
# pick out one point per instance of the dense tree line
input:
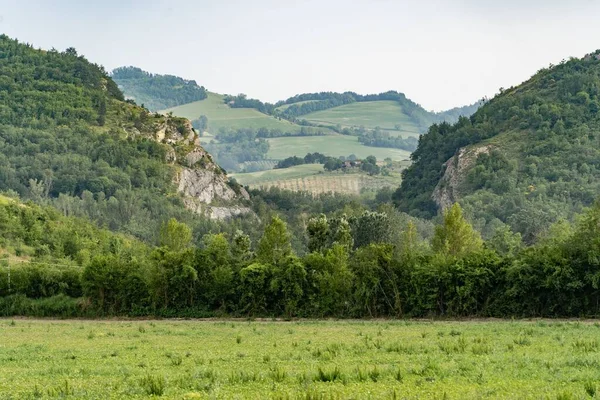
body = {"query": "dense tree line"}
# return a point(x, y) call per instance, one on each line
point(157, 92)
point(309, 158)
point(542, 153)
point(242, 101)
point(370, 264)
point(379, 138)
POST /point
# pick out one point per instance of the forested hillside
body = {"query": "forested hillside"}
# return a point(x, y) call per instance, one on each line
point(307, 103)
point(68, 139)
point(157, 92)
point(527, 158)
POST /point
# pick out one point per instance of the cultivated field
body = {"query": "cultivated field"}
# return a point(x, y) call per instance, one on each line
point(331, 145)
point(298, 171)
point(221, 115)
point(299, 360)
point(311, 178)
point(370, 114)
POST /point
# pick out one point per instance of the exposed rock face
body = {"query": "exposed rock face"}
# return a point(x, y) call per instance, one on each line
point(204, 185)
point(198, 178)
point(447, 191)
point(216, 212)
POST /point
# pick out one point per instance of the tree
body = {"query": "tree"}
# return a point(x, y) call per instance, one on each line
point(202, 124)
point(173, 278)
point(215, 272)
point(254, 281)
point(241, 249)
point(370, 227)
point(175, 235)
point(341, 233)
point(455, 236)
point(318, 233)
point(274, 246)
point(287, 283)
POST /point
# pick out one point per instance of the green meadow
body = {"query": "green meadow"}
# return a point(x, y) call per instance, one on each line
point(298, 360)
point(331, 145)
point(370, 114)
point(220, 115)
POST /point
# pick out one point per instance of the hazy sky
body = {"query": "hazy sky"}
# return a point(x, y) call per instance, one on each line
point(439, 53)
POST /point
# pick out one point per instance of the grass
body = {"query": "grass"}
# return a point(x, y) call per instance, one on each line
point(370, 114)
point(331, 145)
point(220, 115)
point(297, 359)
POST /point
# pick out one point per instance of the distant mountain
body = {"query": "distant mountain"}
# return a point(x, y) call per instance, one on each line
point(156, 92)
point(527, 158)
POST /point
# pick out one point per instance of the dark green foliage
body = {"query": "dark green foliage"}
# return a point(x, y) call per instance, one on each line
point(157, 92)
point(51, 88)
point(67, 267)
point(542, 152)
point(378, 138)
point(330, 163)
point(65, 140)
point(242, 101)
point(349, 261)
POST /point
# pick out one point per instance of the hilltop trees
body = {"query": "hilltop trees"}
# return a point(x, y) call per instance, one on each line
point(157, 92)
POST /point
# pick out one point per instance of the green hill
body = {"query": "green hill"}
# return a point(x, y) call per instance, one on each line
point(221, 115)
point(527, 158)
point(69, 139)
point(386, 114)
point(332, 145)
point(391, 111)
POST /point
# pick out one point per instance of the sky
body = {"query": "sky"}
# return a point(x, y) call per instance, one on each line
point(441, 54)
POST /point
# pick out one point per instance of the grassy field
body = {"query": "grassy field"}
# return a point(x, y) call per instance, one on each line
point(311, 178)
point(370, 114)
point(221, 115)
point(331, 145)
point(299, 360)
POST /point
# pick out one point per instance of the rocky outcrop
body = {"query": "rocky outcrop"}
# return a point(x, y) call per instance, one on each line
point(447, 191)
point(204, 185)
point(216, 212)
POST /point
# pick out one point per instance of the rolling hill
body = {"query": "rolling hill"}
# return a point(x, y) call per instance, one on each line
point(220, 115)
point(384, 125)
point(332, 145)
point(527, 158)
point(385, 114)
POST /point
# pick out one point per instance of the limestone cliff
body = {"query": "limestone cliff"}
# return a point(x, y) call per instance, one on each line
point(448, 189)
point(203, 184)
